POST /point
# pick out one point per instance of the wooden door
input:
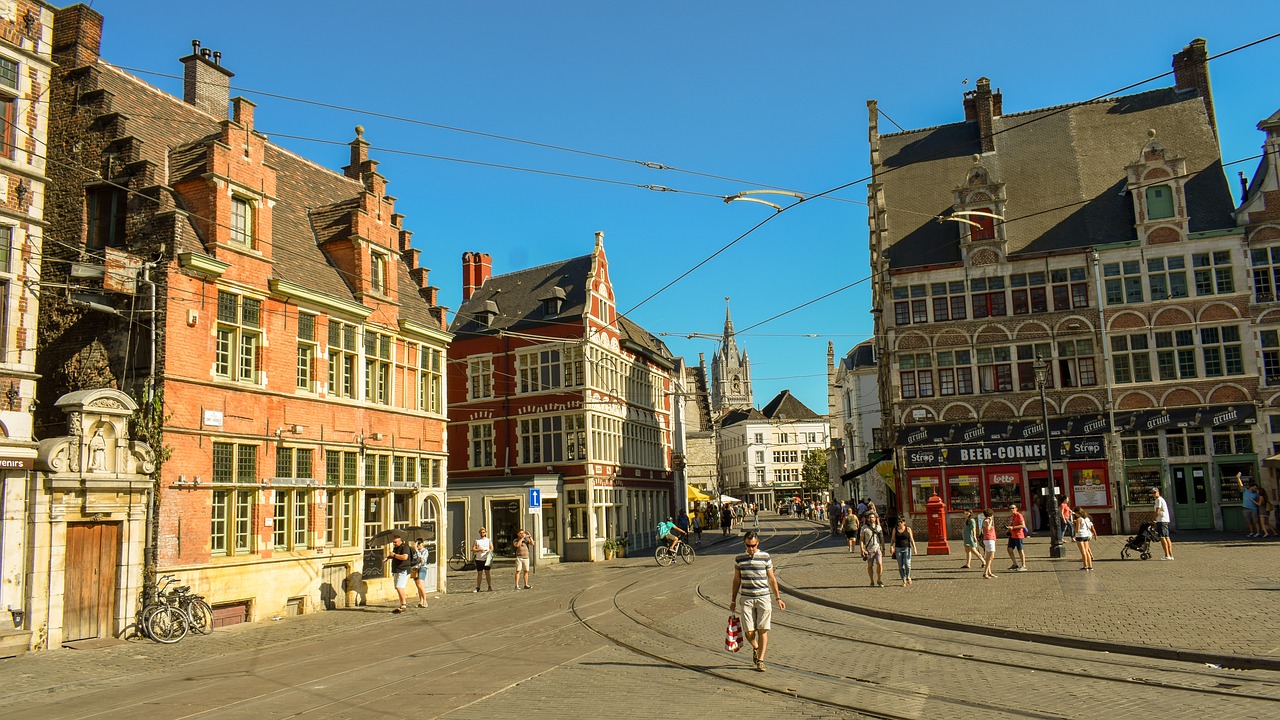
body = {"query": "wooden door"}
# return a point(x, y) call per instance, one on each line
point(1192, 508)
point(90, 579)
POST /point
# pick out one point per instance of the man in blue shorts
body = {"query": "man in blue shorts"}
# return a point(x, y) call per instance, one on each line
point(1017, 532)
point(400, 565)
point(1161, 509)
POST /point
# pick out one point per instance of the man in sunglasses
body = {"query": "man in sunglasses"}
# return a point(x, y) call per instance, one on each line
point(753, 580)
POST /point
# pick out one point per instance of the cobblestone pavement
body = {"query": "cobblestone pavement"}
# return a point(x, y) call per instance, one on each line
point(1216, 599)
point(541, 653)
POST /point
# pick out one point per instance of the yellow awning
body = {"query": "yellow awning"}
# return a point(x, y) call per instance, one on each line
point(695, 494)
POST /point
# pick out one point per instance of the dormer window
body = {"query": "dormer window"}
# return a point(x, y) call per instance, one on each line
point(241, 221)
point(1159, 202)
point(488, 313)
point(552, 302)
point(378, 272)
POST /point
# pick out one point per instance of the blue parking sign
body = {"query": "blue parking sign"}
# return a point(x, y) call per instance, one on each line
point(535, 498)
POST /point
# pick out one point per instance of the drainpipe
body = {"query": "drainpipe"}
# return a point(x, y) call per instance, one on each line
point(150, 559)
point(1115, 458)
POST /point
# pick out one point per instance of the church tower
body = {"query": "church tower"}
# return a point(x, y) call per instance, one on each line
point(730, 373)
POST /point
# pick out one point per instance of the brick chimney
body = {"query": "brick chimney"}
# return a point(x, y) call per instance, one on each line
point(1191, 72)
point(77, 36)
point(982, 105)
point(476, 268)
point(205, 83)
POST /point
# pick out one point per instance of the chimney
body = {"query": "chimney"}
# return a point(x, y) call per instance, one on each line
point(1191, 72)
point(242, 112)
point(982, 105)
point(476, 268)
point(205, 83)
point(359, 156)
point(77, 36)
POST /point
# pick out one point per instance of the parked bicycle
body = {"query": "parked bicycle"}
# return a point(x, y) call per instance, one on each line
point(667, 556)
point(461, 560)
point(166, 616)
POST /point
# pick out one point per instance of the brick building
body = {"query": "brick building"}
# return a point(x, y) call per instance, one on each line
point(269, 315)
point(552, 391)
point(26, 28)
point(762, 452)
point(1098, 237)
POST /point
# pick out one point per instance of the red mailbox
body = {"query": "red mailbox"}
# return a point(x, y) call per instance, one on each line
point(937, 512)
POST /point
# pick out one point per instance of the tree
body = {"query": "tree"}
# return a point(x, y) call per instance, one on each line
point(814, 472)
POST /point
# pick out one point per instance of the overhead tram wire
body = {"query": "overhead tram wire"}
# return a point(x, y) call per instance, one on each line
point(651, 165)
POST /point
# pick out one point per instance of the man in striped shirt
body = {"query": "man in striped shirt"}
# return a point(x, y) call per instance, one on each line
point(753, 580)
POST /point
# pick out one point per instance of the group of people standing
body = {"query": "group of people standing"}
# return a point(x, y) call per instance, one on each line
point(866, 535)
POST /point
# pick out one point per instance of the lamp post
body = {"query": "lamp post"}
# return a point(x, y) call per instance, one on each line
point(1055, 529)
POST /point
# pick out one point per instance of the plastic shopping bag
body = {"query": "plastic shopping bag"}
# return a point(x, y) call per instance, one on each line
point(733, 634)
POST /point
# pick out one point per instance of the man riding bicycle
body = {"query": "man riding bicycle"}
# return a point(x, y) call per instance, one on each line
point(667, 532)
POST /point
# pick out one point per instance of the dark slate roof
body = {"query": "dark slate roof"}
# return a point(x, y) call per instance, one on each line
point(645, 340)
point(1063, 174)
point(517, 297)
point(733, 417)
point(174, 134)
point(862, 355)
point(786, 407)
point(695, 384)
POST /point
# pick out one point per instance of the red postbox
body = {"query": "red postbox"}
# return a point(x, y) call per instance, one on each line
point(937, 512)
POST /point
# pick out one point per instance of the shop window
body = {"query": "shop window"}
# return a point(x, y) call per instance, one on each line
point(1141, 482)
point(1232, 442)
point(576, 506)
point(922, 488)
point(1005, 489)
point(1137, 445)
point(964, 491)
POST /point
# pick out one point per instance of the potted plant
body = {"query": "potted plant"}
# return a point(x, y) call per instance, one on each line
point(621, 544)
point(610, 547)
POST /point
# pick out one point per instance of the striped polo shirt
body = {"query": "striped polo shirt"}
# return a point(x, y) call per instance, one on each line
point(754, 571)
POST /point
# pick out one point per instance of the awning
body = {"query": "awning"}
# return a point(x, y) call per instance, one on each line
point(1272, 462)
point(697, 495)
point(876, 458)
point(727, 500)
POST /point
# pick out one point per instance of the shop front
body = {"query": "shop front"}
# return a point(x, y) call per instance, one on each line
point(1005, 464)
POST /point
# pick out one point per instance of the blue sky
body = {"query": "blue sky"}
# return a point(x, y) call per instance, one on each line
point(755, 94)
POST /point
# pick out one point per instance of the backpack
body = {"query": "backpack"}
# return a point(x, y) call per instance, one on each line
point(415, 558)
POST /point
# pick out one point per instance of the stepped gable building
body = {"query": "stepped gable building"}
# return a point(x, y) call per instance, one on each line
point(730, 372)
point(700, 470)
point(561, 411)
point(26, 33)
point(272, 320)
point(1098, 237)
point(762, 451)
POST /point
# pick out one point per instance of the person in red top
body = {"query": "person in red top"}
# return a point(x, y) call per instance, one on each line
point(1017, 531)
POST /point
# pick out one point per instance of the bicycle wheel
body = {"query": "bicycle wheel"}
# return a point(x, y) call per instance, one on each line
point(663, 556)
point(145, 614)
point(686, 554)
point(167, 625)
point(457, 563)
point(200, 616)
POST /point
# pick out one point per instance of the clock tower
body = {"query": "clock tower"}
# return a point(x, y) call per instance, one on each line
point(730, 373)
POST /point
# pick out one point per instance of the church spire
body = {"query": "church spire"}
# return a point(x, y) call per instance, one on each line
point(730, 345)
point(730, 371)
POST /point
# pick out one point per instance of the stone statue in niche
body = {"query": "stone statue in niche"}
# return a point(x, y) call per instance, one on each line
point(97, 452)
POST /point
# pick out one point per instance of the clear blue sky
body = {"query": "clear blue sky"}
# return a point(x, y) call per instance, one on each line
point(764, 93)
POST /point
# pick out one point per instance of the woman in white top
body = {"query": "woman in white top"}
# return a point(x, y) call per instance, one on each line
point(1083, 534)
point(483, 549)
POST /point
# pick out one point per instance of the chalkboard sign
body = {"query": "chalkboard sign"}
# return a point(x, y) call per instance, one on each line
point(375, 563)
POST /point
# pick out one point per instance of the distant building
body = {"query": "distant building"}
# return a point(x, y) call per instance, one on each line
point(1096, 241)
point(553, 394)
point(700, 467)
point(271, 322)
point(762, 451)
point(855, 426)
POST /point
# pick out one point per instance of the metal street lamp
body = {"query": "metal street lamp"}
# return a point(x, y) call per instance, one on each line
point(1055, 529)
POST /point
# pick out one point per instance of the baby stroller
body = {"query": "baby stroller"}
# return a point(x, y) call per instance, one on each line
point(1141, 543)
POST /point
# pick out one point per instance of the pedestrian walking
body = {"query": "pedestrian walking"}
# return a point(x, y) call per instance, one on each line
point(850, 528)
point(1161, 509)
point(421, 561)
point(1065, 509)
point(969, 534)
point(697, 529)
point(521, 545)
point(988, 543)
point(483, 549)
point(726, 519)
point(904, 546)
point(400, 563)
point(753, 581)
point(872, 550)
point(1084, 534)
point(1017, 528)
